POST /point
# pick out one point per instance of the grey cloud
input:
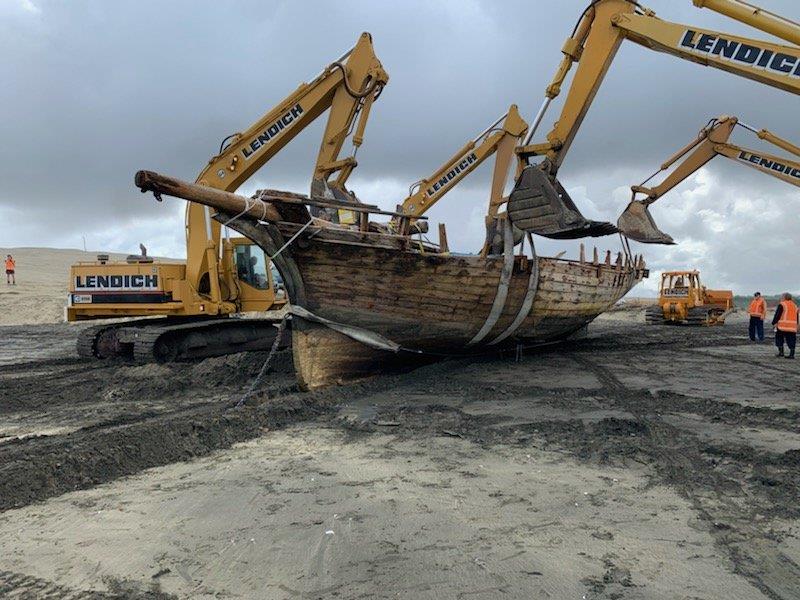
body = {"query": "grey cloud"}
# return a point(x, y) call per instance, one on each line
point(96, 90)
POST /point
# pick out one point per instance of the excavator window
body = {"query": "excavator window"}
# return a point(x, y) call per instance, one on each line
point(251, 266)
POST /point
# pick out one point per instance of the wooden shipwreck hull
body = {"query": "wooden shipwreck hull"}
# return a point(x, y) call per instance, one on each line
point(421, 301)
point(362, 296)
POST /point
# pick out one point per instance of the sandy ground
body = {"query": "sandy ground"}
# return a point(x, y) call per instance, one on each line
point(639, 463)
point(42, 282)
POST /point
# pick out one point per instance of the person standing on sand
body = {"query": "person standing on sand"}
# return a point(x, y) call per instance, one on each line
point(10, 269)
point(785, 322)
point(758, 312)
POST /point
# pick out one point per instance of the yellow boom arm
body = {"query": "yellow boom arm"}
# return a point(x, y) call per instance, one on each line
point(636, 221)
point(750, 14)
point(539, 203)
point(347, 87)
point(500, 137)
point(607, 23)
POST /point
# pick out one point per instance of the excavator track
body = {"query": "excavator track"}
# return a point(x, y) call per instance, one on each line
point(163, 340)
point(654, 315)
point(88, 345)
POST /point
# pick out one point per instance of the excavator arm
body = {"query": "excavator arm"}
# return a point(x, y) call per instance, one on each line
point(501, 137)
point(602, 28)
point(347, 87)
point(637, 223)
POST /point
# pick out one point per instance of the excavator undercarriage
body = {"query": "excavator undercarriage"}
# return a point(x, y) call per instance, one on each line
point(174, 339)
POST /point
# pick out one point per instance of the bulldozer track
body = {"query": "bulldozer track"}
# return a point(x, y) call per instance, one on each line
point(654, 315)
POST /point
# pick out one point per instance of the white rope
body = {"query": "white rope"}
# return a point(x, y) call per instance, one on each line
point(291, 239)
point(247, 207)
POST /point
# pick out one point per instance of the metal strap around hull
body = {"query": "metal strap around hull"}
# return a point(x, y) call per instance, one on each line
point(366, 337)
point(527, 302)
point(502, 288)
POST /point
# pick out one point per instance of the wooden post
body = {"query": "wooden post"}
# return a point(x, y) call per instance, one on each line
point(595, 259)
point(583, 254)
point(444, 247)
point(608, 257)
point(364, 222)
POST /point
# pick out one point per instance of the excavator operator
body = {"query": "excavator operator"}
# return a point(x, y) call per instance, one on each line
point(785, 322)
point(758, 312)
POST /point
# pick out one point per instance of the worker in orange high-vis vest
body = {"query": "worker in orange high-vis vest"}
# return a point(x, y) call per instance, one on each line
point(758, 312)
point(786, 322)
point(11, 268)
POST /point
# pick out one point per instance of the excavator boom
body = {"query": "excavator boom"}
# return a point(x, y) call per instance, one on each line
point(500, 137)
point(224, 277)
point(637, 223)
point(345, 87)
point(750, 14)
point(602, 28)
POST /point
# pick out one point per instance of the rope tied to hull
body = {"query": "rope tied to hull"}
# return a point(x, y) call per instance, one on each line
point(248, 204)
point(293, 238)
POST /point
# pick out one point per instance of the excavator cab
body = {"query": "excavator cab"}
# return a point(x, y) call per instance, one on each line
point(539, 204)
point(254, 282)
point(637, 223)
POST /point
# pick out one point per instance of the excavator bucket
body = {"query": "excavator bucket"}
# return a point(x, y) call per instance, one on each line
point(542, 206)
point(637, 223)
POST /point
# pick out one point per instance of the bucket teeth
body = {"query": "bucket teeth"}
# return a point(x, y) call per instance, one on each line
point(637, 223)
point(542, 206)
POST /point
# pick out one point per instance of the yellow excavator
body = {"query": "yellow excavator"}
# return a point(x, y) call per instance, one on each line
point(637, 223)
point(500, 138)
point(539, 204)
point(224, 277)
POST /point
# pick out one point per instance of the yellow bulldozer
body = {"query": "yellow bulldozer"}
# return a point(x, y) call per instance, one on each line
point(684, 299)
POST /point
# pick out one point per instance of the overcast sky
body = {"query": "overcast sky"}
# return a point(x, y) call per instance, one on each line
point(94, 91)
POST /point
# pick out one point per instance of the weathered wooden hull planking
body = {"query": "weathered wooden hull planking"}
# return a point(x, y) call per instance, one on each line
point(363, 296)
point(433, 303)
